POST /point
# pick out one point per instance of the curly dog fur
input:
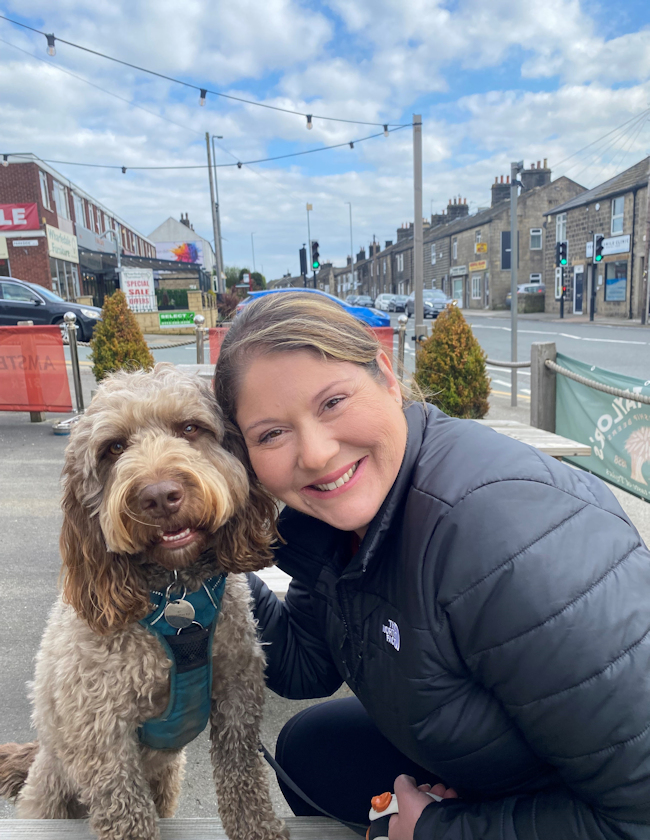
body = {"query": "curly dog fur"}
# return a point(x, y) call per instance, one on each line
point(144, 461)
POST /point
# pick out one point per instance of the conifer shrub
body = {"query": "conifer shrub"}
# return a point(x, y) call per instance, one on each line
point(117, 341)
point(450, 368)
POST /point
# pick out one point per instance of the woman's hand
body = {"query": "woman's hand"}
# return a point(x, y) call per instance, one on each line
point(412, 800)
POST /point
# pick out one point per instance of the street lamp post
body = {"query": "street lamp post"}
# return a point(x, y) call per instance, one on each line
point(253, 250)
point(118, 251)
point(515, 169)
point(349, 203)
point(219, 252)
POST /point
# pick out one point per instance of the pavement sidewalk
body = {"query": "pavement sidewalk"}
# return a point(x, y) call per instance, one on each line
point(551, 317)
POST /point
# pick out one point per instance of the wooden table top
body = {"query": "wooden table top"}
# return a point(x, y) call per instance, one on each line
point(547, 442)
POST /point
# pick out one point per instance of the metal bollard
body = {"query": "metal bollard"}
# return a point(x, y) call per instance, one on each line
point(199, 321)
point(70, 319)
point(401, 341)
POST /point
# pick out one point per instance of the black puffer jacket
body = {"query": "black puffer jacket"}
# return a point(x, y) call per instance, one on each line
point(495, 624)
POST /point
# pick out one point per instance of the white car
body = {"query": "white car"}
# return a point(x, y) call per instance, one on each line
point(382, 302)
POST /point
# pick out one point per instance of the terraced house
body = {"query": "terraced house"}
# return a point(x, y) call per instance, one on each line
point(618, 210)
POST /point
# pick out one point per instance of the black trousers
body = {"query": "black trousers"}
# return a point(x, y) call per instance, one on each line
point(338, 757)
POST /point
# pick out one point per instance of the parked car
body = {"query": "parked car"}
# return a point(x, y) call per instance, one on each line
point(351, 299)
point(369, 316)
point(434, 302)
point(398, 303)
point(22, 301)
point(382, 302)
point(364, 300)
point(527, 289)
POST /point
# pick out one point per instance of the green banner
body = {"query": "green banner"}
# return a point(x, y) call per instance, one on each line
point(617, 429)
point(176, 319)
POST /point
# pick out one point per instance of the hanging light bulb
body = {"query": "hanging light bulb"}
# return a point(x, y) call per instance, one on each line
point(5, 160)
point(204, 93)
point(239, 165)
point(352, 145)
point(124, 170)
point(310, 124)
point(385, 131)
point(51, 49)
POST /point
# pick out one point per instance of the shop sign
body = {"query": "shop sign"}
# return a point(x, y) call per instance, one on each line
point(479, 265)
point(24, 243)
point(137, 285)
point(61, 245)
point(616, 428)
point(481, 248)
point(19, 217)
point(616, 245)
point(458, 271)
point(4, 254)
point(176, 319)
point(93, 241)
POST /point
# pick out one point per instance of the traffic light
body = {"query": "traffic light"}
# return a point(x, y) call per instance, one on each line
point(303, 261)
point(561, 253)
point(315, 256)
point(598, 247)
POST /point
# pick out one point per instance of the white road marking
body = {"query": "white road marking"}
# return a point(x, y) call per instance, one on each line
point(564, 335)
point(501, 370)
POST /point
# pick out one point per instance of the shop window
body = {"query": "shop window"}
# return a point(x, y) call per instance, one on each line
point(618, 207)
point(560, 227)
point(476, 286)
point(45, 192)
point(535, 239)
point(616, 280)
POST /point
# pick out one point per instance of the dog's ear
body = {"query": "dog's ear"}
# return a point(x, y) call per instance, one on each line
point(246, 539)
point(102, 587)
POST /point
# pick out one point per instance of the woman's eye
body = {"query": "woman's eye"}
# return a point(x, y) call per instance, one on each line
point(116, 448)
point(333, 402)
point(269, 436)
point(190, 429)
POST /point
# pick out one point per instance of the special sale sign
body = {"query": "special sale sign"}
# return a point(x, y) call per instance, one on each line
point(19, 217)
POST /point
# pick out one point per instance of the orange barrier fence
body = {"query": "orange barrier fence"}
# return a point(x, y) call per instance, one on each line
point(216, 336)
point(33, 375)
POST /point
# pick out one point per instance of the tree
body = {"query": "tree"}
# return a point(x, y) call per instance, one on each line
point(117, 341)
point(232, 276)
point(450, 367)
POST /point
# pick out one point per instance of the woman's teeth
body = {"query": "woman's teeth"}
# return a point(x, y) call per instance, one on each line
point(339, 481)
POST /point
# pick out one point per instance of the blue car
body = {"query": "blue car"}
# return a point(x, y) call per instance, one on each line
point(362, 313)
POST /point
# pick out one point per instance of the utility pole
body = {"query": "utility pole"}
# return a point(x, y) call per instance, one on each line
point(418, 254)
point(215, 226)
point(515, 169)
point(309, 208)
point(253, 250)
point(349, 203)
point(646, 297)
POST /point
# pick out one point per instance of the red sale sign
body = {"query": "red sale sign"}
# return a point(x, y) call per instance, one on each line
point(18, 217)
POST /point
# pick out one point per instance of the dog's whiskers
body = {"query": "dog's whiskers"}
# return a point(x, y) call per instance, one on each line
point(132, 516)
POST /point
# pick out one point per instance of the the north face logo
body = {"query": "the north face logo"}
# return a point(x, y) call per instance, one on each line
point(391, 631)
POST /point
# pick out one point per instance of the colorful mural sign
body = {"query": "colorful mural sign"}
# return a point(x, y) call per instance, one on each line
point(185, 252)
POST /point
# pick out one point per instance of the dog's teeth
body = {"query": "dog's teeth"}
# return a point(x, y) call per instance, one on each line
point(175, 537)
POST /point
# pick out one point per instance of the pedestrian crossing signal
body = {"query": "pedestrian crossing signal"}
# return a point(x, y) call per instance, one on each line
point(561, 253)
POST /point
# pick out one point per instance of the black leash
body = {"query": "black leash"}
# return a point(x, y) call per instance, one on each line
point(356, 827)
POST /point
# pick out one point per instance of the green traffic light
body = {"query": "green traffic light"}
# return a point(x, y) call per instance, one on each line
point(598, 257)
point(563, 262)
point(315, 265)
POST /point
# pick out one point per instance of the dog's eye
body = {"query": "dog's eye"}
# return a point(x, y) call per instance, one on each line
point(116, 448)
point(190, 429)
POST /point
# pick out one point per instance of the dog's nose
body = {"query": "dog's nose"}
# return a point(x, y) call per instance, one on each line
point(161, 499)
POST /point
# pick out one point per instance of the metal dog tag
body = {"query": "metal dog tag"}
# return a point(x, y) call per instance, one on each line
point(179, 614)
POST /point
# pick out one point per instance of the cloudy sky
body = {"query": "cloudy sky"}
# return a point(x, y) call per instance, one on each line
point(495, 81)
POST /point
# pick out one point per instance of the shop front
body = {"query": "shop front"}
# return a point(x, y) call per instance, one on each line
point(458, 277)
point(64, 263)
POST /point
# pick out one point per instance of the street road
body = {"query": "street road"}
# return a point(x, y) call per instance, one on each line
point(624, 349)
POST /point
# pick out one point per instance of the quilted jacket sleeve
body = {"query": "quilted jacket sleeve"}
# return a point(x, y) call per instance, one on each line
point(298, 662)
point(545, 597)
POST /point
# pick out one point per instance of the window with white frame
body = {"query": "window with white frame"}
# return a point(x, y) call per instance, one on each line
point(535, 278)
point(535, 239)
point(45, 193)
point(476, 286)
point(560, 227)
point(61, 201)
point(78, 210)
point(454, 249)
point(433, 255)
point(477, 236)
point(400, 262)
point(618, 206)
point(385, 261)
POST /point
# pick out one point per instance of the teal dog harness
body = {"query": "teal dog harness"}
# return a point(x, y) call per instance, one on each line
point(190, 651)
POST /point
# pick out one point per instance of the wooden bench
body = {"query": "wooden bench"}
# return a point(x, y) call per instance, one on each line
point(548, 442)
point(301, 828)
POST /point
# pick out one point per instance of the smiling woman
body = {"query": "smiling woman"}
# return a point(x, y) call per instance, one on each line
point(453, 578)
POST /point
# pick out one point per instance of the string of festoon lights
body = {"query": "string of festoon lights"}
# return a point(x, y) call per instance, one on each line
point(203, 91)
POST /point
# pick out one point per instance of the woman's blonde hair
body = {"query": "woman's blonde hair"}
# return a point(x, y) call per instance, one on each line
point(282, 322)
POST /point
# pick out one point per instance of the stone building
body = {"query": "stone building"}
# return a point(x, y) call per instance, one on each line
point(617, 209)
point(472, 252)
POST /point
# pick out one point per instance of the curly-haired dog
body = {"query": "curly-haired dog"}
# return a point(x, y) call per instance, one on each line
point(156, 512)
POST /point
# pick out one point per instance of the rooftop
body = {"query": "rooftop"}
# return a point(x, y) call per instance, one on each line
point(633, 178)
